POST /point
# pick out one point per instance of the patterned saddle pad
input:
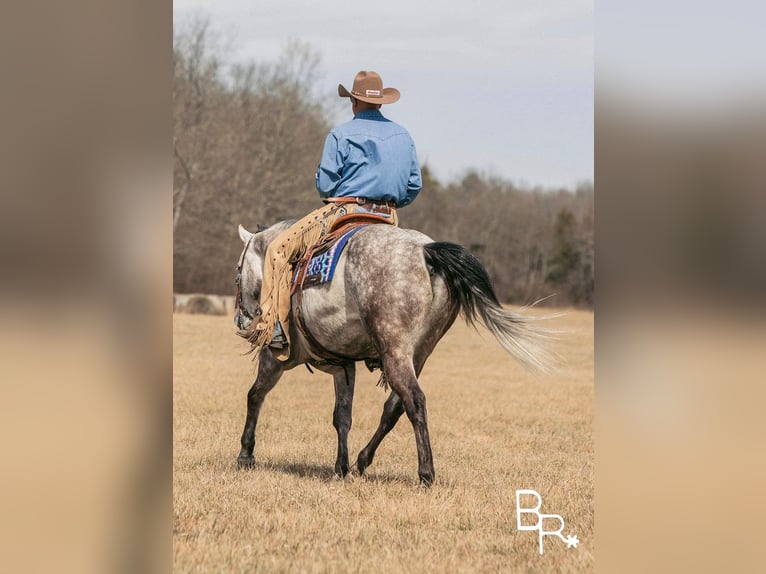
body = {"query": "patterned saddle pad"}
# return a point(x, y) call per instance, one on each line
point(318, 266)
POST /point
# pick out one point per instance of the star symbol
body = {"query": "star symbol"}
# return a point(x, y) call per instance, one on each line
point(572, 541)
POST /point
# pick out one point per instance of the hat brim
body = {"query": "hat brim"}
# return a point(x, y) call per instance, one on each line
point(389, 96)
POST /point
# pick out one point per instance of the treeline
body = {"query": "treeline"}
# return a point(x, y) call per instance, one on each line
point(534, 243)
point(246, 143)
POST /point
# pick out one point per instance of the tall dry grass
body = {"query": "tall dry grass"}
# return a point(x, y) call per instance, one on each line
point(494, 429)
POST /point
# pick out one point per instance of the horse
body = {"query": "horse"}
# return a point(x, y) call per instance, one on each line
point(394, 295)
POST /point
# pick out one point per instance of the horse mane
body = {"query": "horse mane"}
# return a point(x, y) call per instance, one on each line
point(265, 235)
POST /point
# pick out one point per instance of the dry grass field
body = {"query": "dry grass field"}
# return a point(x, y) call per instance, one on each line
point(494, 429)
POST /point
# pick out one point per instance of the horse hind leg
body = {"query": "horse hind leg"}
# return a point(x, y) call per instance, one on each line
point(341, 416)
point(392, 411)
point(414, 402)
point(408, 397)
point(269, 373)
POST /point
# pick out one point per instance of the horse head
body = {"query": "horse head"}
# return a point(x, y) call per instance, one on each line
point(248, 280)
point(249, 276)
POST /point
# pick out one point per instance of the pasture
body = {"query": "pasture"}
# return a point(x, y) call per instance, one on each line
point(495, 429)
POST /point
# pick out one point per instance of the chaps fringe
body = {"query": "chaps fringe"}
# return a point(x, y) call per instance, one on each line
point(277, 303)
point(383, 381)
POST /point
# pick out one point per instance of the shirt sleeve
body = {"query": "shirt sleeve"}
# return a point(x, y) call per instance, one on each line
point(415, 183)
point(330, 169)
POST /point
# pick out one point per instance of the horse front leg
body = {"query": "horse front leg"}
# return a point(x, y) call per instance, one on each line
point(341, 416)
point(269, 373)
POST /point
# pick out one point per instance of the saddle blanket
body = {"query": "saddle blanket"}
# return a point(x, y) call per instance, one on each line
point(321, 267)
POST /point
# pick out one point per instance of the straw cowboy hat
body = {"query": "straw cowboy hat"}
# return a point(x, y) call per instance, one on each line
point(368, 87)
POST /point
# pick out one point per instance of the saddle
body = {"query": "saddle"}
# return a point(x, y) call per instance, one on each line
point(317, 265)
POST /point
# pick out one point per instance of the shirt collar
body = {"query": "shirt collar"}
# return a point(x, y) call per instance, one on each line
point(369, 115)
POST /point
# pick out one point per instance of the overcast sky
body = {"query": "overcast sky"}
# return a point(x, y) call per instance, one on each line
point(502, 86)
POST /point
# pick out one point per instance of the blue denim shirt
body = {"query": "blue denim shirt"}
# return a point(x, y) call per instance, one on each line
point(371, 157)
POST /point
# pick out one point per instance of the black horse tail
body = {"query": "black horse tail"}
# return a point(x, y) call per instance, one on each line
point(470, 290)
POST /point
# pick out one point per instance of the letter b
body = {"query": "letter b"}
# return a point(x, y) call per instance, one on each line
point(528, 510)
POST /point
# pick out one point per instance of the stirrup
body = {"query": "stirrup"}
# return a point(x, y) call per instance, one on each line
point(279, 340)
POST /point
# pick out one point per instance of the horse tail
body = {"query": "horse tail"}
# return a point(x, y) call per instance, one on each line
point(470, 290)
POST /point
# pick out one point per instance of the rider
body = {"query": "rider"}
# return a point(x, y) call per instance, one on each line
point(368, 164)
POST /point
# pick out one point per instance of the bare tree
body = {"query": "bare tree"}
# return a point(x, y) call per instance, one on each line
point(195, 82)
point(246, 143)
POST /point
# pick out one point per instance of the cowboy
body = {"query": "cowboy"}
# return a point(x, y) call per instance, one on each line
point(368, 164)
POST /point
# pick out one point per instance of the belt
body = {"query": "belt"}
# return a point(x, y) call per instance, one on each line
point(359, 201)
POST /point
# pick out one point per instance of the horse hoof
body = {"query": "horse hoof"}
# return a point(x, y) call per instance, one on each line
point(341, 472)
point(246, 461)
point(356, 470)
point(426, 480)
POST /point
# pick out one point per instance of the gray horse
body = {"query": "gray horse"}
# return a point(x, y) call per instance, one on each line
point(394, 296)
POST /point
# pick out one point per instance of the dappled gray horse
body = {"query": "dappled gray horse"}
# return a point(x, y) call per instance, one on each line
point(394, 296)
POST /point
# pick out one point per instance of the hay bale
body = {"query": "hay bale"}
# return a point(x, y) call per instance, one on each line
point(203, 305)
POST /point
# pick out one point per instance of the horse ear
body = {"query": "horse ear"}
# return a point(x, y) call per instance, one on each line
point(244, 234)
